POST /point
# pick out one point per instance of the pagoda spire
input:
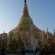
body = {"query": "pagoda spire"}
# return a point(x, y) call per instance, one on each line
point(25, 18)
point(25, 9)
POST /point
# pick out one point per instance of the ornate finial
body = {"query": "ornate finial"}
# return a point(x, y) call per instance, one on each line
point(25, 9)
point(54, 31)
point(47, 30)
point(3, 31)
point(25, 1)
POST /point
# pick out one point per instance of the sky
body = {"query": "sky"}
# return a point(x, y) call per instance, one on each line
point(42, 13)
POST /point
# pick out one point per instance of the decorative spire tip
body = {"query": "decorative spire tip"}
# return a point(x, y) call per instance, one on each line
point(25, 1)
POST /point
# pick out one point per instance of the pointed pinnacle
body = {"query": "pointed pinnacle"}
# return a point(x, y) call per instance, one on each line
point(25, 1)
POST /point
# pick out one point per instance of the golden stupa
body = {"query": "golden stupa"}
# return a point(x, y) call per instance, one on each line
point(26, 30)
